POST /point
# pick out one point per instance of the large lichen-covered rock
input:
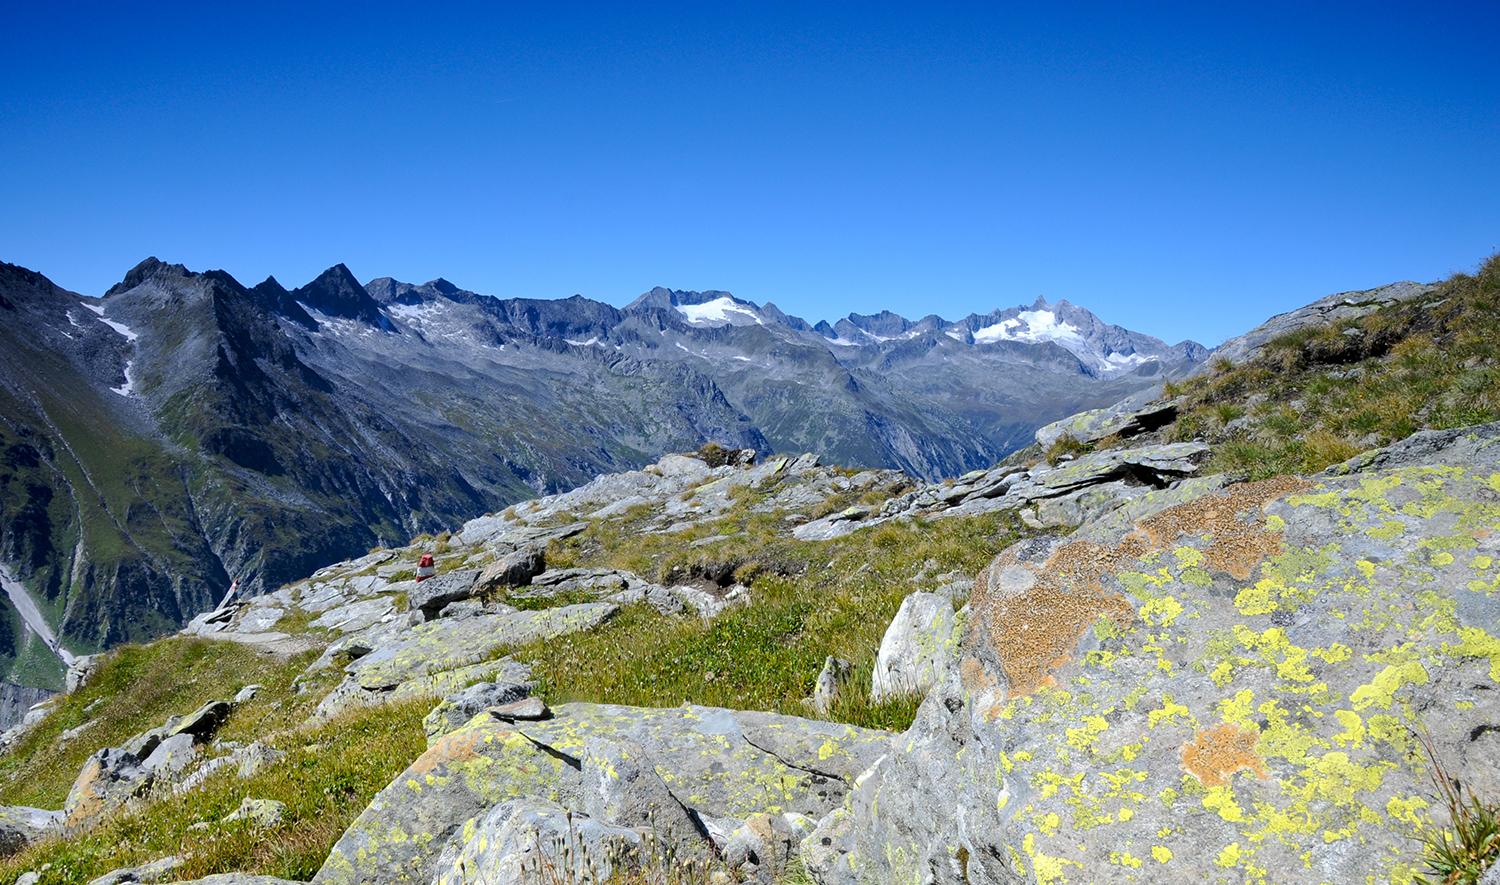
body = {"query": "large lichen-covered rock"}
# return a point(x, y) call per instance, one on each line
point(459, 778)
point(108, 779)
point(621, 787)
point(1226, 689)
point(531, 840)
point(1135, 414)
point(715, 763)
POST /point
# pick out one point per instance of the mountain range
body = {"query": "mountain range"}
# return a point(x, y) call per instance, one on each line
point(183, 430)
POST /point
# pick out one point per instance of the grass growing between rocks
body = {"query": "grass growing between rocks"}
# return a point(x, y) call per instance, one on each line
point(328, 778)
point(1319, 396)
point(136, 689)
point(810, 600)
point(1460, 853)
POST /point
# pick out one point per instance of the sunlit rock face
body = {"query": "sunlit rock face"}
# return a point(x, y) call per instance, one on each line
point(1236, 687)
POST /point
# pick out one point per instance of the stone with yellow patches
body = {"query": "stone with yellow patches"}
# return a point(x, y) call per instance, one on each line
point(1315, 676)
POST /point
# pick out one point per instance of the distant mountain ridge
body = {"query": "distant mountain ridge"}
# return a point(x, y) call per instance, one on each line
point(184, 429)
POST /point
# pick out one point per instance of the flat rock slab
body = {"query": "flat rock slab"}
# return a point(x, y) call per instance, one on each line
point(355, 616)
point(442, 645)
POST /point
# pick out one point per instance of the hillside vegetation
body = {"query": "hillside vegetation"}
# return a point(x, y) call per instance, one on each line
point(1320, 395)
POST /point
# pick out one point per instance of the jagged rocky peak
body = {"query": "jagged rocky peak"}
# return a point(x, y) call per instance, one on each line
point(149, 269)
point(337, 293)
point(1104, 348)
point(387, 291)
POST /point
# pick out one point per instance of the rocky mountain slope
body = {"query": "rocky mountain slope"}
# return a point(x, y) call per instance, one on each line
point(184, 431)
point(1114, 664)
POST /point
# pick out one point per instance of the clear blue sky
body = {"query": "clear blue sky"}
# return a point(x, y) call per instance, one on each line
point(1185, 170)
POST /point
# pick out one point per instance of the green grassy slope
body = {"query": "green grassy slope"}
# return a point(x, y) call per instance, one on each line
point(1319, 396)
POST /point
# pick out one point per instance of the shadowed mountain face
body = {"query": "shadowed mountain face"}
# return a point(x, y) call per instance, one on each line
point(183, 429)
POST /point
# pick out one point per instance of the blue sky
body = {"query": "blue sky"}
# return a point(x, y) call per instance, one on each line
point(1182, 170)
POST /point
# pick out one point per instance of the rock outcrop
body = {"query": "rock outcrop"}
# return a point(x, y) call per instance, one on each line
point(698, 768)
point(1232, 687)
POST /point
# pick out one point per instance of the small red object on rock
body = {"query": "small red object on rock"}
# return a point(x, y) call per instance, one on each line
point(425, 568)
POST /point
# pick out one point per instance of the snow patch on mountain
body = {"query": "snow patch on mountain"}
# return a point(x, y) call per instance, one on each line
point(1032, 326)
point(128, 387)
point(716, 311)
point(98, 309)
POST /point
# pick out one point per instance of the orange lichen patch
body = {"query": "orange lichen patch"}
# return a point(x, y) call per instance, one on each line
point(1238, 545)
point(1215, 754)
point(1035, 616)
point(460, 746)
point(1036, 612)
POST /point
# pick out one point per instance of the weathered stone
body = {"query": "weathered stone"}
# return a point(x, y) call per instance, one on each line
point(322, 597)
point(709, 603)
point(514, 569)
point(446, 645)
point(431, 595)
point(460, 777)
point(247, 694)
point(256, 758)
point(171, 757)
point(1174, 460)
point(151, 872)
point(259, 620)
point(355, 616)
point(79, 672)
point(1225, 685)
point(107, 780)
point(20, 826)
point(525, 710)
point(918, 647)
point(717, 763)
point(1136, 414)
point(621, 787)
point(350, 693)
point(1430, 448)
point(204, 721)
point(258, 812)
point(826, 688)
point(764, 845)
point(529, 839)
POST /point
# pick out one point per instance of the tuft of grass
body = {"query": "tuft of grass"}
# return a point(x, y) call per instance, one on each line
point(1067, 445)
point(1461, 852)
